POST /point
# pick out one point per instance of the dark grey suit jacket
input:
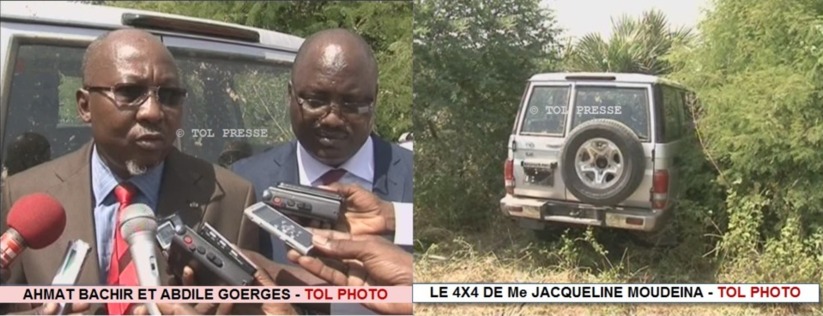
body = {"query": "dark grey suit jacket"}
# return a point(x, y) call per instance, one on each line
point(393, 176)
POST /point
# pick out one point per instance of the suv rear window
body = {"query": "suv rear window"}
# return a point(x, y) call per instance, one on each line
point(546, 111)
point(629, 106)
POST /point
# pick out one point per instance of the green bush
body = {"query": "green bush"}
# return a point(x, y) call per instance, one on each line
point(757, 72)
point(471, 60)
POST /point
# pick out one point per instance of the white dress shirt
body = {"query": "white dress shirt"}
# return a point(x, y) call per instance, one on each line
point(360, 170)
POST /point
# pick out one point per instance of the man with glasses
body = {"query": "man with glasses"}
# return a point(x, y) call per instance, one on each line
point(133, 99)
point(332, 103)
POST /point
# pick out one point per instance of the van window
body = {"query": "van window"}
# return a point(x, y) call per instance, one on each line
point(546, 111)
point(673, 113)
point(629, 106)
point(238, 104)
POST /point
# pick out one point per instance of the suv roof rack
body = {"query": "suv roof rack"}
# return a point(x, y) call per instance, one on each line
point(72, 14)
point(604, 76)
point(591, 77)
point(165, 23)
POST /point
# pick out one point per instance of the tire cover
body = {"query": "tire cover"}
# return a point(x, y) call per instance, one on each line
point(634, 162)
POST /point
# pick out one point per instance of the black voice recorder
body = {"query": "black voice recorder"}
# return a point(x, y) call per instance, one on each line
point(215, 261)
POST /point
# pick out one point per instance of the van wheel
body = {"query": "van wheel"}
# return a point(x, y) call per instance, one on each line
point(602, 162)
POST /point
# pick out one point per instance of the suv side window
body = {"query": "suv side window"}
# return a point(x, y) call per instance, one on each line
point(674, 117)
point(546, 111)
point(42, 115)
point(236, 103)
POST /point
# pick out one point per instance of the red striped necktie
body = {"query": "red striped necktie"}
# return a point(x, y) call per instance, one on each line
point(121, 269)
point(332, 176)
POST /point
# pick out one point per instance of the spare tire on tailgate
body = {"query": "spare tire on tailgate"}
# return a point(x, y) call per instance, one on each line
point(602, 162)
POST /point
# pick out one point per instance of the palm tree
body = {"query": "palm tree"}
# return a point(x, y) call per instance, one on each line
point(637, 45)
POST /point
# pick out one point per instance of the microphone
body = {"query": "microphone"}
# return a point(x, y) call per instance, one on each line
point(35, 221)
point(139, 228)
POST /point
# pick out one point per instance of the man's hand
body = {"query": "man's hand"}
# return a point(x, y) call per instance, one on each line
point(264, 279)
point(167, 309)
point(290, 275)
point(382, 262)
point(261, 277)
point(376, 261)
point(4, 275)
point(188, 279)
point(53, 308)
point(46, 309)
point(366, 214)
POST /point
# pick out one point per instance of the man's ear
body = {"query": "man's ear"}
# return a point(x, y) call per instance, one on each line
point(290, 92)
point(83, 105)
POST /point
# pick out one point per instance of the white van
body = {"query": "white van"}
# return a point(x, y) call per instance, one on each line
point(236, 76)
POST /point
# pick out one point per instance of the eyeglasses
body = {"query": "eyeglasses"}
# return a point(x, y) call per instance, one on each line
point(320, 107)
point(130, 95)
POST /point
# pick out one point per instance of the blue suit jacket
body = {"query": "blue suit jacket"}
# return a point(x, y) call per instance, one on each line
point(393, 176)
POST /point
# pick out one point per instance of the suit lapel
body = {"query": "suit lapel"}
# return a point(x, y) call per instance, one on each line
point(182, 191)
point(76, 177)
point(386, 185)
point(286, 169)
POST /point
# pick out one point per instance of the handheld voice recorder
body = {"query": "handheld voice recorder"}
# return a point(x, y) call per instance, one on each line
point(280, 225)
point(214, 259)
point(69, 271)
point(305, 202)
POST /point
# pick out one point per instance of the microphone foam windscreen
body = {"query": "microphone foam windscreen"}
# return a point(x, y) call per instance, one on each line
point(39, 219)
point(137, 218)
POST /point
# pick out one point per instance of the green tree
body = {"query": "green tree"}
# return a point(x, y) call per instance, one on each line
point(758, 71)
point(472, 60)
point(386, 26)
point(637, 45)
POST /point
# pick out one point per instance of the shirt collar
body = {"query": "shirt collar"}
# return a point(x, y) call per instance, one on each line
point(360, 165)
point(104, 180)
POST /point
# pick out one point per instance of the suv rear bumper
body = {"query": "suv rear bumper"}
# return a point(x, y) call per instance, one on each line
point(641, 219)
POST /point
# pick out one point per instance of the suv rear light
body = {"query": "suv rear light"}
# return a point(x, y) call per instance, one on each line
point(508, 175)
point(660, 189)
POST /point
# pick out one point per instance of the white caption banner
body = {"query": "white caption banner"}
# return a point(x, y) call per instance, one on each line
point(615, 293)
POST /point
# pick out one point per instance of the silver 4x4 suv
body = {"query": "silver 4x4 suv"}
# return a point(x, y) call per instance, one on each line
point(596, 149)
